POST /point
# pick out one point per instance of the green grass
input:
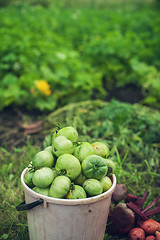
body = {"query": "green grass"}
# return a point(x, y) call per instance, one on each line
point(13, 224)
point(131, 132)
point(78, 3)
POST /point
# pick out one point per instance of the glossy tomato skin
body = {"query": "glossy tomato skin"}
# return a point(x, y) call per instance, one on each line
point(61, 145)
point(60, 187)
point(43, 159)
point(92, 187)
point(101, 149)
point(68, 165)
point(69, 132)
point(43, 177)
point(94, 166)
point(76, 193)
point(83, 150)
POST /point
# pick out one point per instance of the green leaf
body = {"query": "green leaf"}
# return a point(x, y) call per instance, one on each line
point(9, 80)
point(4, 236)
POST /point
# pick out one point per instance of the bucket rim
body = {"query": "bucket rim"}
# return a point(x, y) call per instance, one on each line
point(68, 201)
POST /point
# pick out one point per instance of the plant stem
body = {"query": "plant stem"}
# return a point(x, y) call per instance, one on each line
point(136, 210)
point(150, 205)
point(141, 203)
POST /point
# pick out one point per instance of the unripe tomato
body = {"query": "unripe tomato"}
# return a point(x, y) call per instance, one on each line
point(92, 187)
point(69, 166)
point(101, 149)
point(60, 187)
point(94, 166)
point(83, 150)
point(43, 191)
point(48, 149)
point(43, 177)
point(28, 179)
point(80, 179)
point(62, 145)
point(43, 159)
point(111, 167)
point(69, 132)
point(76, 193)
point(106, 183)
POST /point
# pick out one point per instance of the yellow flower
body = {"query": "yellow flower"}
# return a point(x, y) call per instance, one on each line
point(43, 87)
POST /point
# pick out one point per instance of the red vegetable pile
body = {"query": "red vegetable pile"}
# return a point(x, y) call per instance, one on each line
point(131, 218)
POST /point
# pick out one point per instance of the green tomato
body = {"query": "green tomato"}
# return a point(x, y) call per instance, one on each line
point(76, 193)
point(69, 166)
point(101, 149)
point(60, 187)
point(92, 187)
point(106, 183)
point(48, 149)
point(43, 191)
point(83, 150)
point(94, 166)
point(69, 132)
point(43, 177)
point(43, 159)
point(47, 141)
point(55, 172)
point(80, 179)
point(111, 167)
point(28, 179)
point(62, 145)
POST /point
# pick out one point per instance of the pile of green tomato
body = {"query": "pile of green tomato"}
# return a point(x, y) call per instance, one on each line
point(70, 169)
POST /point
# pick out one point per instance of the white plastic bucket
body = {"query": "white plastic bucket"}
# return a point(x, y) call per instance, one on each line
point(65, 219)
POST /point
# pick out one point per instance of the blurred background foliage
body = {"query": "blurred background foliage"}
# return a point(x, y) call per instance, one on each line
point(56, 53)
point(68, 58)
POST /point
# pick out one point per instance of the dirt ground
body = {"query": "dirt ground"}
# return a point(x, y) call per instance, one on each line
point(19, 124)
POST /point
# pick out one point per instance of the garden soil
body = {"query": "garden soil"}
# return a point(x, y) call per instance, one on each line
point(17, 125)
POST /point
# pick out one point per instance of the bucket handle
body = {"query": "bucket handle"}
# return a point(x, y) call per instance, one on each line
point(27, 206)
